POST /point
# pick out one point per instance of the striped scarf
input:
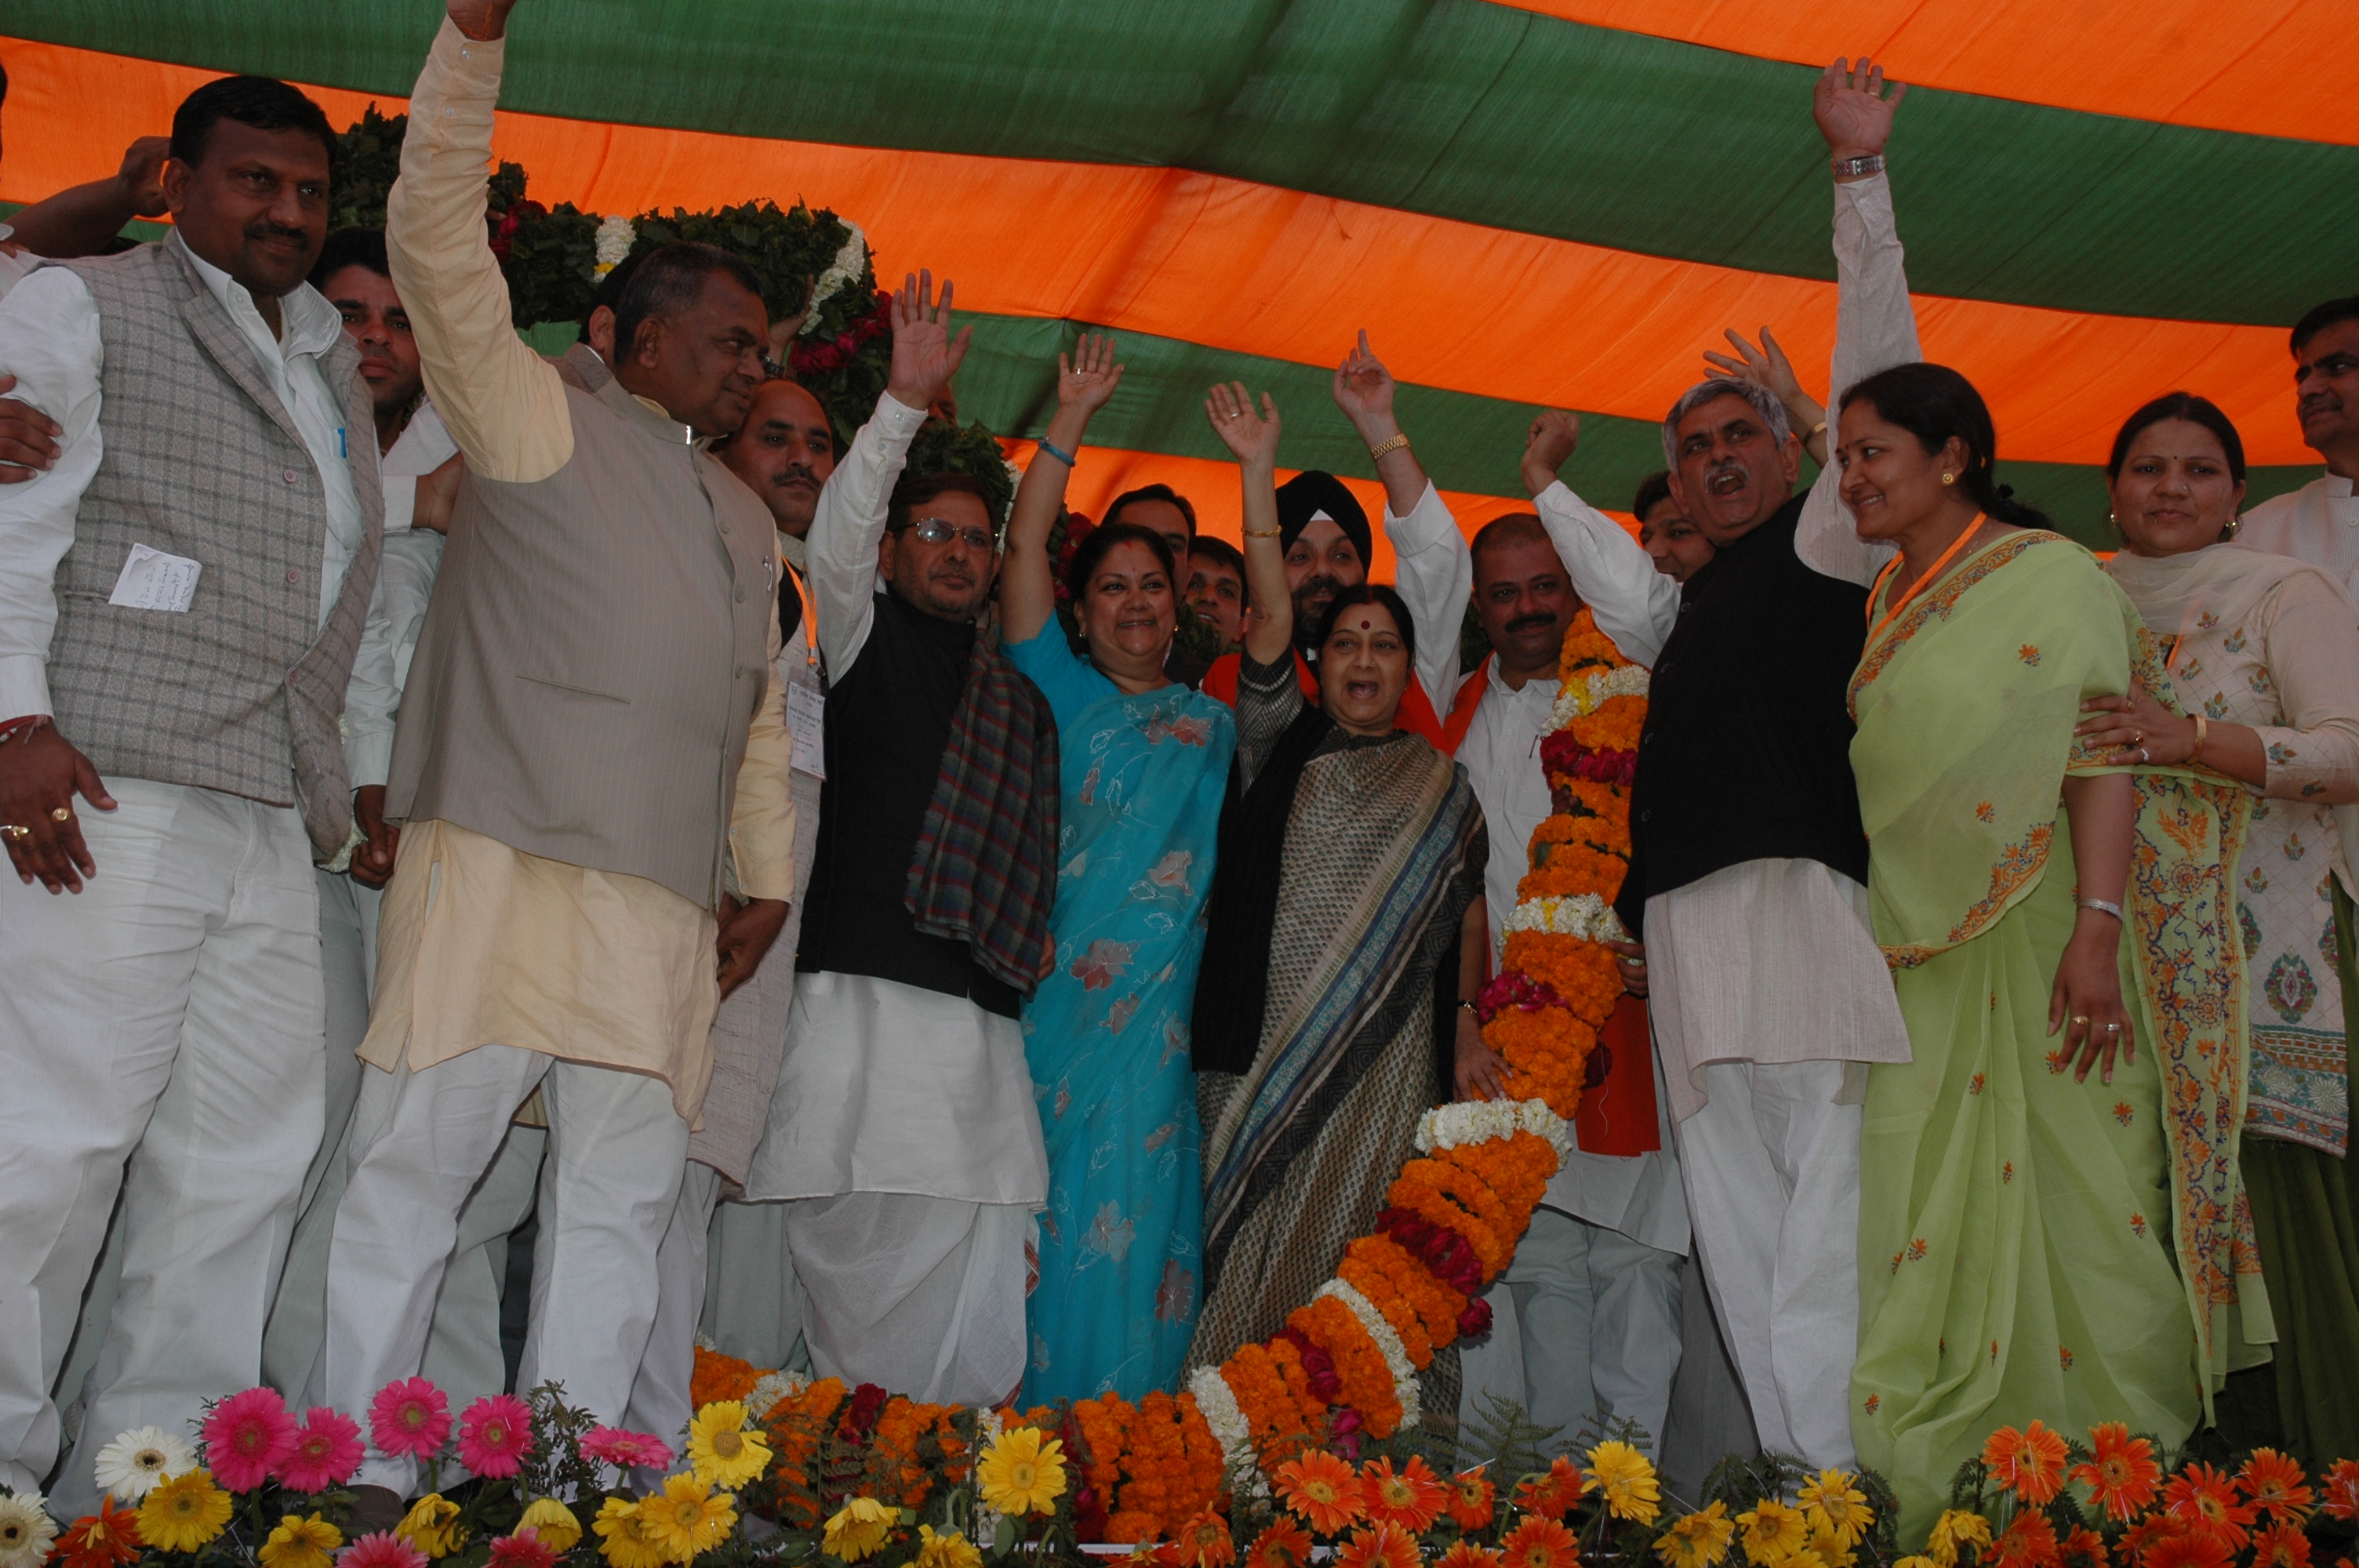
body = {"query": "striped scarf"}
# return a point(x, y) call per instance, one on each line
point(984, 871)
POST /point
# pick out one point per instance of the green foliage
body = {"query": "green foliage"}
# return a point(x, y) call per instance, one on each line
point(788, 250)
point(551, 266)
point(368, 159)
point(941, 446)
point(1502, 1433)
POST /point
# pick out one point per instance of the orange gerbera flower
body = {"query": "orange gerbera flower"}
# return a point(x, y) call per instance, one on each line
point(2281, 1546)
point(2343, 1490)
point(2206, 1499)
point(2277, 1484)
point(2029, 1542)
point(103, 1540)
point(1322, 1490)
point(1411, 1498)
point(1203, 1541)
point(1378, 1546)
point(2031, 1462)
point(1282, 1545)
point(2121, 1474)
point(2187, 1549)
point(1465, 1555)
point(2084, 1548)
point(2149, 1531)
point(1553, 1494)
point(1471, 1501)
point(1540, 1543)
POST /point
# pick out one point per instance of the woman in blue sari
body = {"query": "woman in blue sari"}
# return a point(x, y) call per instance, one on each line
point(1145, 764)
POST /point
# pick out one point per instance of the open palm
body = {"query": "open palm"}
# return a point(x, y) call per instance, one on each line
point(1088, 377)
point(925, 354)
point(1853, 112)
point(1247, 434)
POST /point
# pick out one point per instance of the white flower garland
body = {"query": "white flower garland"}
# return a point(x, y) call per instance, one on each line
point(1479, 1121)
point(850, 261)
point(1584, 914)
point(1579, 702)
point(1218, 1404)
point(1388, 1343)
point(616, 237)
point(769, 1388)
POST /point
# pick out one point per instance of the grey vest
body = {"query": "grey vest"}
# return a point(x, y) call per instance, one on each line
point(243, 692)
point(595, 650)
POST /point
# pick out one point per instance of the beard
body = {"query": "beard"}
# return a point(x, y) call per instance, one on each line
point(1310, 599)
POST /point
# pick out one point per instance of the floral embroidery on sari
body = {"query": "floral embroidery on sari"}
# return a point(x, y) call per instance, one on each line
point(2019, 865)
point(1939, 599)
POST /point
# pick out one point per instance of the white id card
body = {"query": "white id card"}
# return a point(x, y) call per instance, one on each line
point(807, 722)
point(154, 580)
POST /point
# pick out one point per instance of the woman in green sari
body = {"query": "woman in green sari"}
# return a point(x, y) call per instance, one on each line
point(2046, 1228)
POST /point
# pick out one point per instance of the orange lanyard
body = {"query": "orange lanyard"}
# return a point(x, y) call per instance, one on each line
point(1921, 584)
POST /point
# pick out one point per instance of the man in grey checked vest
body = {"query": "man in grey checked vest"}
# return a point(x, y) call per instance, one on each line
point(182, 593)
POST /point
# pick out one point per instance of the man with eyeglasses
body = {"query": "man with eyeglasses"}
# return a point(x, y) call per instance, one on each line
point(902, 1131)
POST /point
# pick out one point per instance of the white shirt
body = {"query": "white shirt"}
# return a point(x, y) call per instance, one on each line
point(840, 552)
point(2317, 524)
point(50, 342)
point(404, 585)
point(13, 269)
point(1435, 577)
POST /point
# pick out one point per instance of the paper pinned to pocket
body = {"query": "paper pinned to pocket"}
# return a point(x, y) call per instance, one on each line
point(154, 580)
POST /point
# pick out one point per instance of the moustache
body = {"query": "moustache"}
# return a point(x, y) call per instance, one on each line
point(794, 471)
point(264, 229)
point(1530, 622)
point(1314, 586)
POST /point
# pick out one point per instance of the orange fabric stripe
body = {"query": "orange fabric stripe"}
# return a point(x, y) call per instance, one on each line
point(1261, 270)
point(2228, 65)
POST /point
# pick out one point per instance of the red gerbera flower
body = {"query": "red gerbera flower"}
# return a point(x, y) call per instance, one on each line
point(1553, 1494)
point(2142, 1536)
point(1283, 1545)
point(1540, 1543)
point(1411, 1498)
point(247, 1437)
point(2029, 1542)
point(2277, 1484)
point(1466, 1554)
point(525, 1549)
point(2187, 1549)
point(2120, 1472)
point(2281, 1546)
point(1378, 1546)
point(107, 1538)
point(2084, 1548)
point(2031, 1462)
point(1470, 1501)
point(2206, 1499)
point(2343, 1490)
point(1322, 1489)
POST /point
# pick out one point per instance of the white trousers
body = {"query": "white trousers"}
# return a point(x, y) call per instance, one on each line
point(1772, 1168)
point(660, 1401)
point(1585, 1331)
point(753, 1305)
point(422, 1143)
point(170, 1015)
point(923, 1295)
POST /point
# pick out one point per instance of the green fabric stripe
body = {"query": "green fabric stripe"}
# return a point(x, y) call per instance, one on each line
point(1455, 108)
point(1466, 442)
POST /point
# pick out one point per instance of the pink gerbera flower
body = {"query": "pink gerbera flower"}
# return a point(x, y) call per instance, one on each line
point(624, 1450)
point(382, 1549)
point(247, 1436)
point(327, 1451)
point(494, 1434)
point(525, 1549)
point(409, 1417)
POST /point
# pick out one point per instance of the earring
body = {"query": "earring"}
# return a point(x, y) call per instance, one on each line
point(1949, 479)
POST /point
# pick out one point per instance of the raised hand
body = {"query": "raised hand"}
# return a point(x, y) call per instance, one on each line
point(482, 20)
point(1852, 112)
point(1765, 366)
point(1549, 446)
point(1364, 390)
point(925, 355)
point(140, 181)
point(1252, 436)
point(1087, 377)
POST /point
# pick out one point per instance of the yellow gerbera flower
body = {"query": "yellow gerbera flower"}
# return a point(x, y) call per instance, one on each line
point(1833, 1503)
point(724, 1453)
point(859, 1528)
point(1020, 1474)
point(1829, 1547)
point(1954, 1529)
point(1698, 1541)
point(433, 1523)
point(300, 1542)
point(1627, 1481)
point(1773, 1532)
point(623, 1536)
point(948, 1551)
point(688, 1517)
point(183, 1513)
point(554, 1522)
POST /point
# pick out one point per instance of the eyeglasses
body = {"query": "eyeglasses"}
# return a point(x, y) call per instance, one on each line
point(934, 531)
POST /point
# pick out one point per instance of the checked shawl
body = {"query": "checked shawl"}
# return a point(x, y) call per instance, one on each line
point(984, 871)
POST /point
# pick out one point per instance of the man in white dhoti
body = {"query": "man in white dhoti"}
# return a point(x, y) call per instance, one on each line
point(2319, 522)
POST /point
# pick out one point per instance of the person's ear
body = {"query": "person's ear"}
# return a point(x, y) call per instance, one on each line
point(646, 348)
point(1789, 457)
point(1678, 491)
point(888, 555)
point(177, 177)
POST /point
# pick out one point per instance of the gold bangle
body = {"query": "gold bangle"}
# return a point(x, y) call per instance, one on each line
point(1395, 445)
point(1817, 429)
point(2202, 734)
point(1264, 532)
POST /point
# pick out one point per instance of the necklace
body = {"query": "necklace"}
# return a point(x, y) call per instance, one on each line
point(1920, 586)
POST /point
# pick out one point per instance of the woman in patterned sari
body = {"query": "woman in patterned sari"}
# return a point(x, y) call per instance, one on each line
point(1345, 928)
point(2053, 922)
point(1146, 763)
point(2266, 651)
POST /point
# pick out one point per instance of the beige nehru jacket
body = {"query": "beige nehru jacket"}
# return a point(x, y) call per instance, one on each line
point(591, 721)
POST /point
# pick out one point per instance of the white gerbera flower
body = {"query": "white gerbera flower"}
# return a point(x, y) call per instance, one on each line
point(27, 1530)
point(131, 1466)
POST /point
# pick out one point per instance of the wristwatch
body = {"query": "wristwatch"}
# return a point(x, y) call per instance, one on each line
point(1871, 164)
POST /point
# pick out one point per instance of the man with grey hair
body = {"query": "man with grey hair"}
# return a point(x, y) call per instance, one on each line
point(1769, 996)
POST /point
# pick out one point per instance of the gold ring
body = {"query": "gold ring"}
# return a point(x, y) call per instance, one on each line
point(16, 831)
point(61, 814)
point(2079, 1018)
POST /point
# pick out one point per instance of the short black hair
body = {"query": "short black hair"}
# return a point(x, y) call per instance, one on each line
point(1103, 540)
point(610, 288)
point(1653, 491)
point(914, 489)
point(1370, 593)
point(1506, 530)
point(2180, 405)
point(1228, 555)
point(1153, 492)
point(354, 246)
point(2321, 316)
point(670, 280)
point(264, 102)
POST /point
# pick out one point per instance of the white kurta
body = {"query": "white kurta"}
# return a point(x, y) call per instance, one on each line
point(2317, 524)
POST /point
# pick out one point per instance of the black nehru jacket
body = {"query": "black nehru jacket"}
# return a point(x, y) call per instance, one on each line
point(1746, 752)
point(887, 721)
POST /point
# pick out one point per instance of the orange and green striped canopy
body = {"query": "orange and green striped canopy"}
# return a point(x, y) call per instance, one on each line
point(1543, 203)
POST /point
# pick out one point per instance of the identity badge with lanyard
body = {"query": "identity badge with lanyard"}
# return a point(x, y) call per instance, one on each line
point(807, 704)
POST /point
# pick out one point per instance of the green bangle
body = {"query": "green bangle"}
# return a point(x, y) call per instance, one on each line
point(1056, 453)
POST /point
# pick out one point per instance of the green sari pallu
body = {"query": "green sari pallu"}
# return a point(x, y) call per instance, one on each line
point(2032, 1246)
